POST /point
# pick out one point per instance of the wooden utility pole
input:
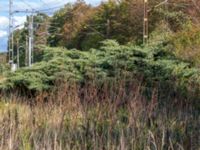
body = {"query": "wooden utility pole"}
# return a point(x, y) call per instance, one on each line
point(108, 28)
point(146, 18)
point(145, 23)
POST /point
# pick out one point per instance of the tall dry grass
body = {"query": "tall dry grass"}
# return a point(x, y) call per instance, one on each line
point(110, 115)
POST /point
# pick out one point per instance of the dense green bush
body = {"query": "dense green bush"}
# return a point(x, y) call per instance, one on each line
point(3, 69)
point(111, 60)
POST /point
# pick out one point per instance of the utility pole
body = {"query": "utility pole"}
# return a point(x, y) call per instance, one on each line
point(145, 23)
point(108, 28)
point(10, 39)
point(146, 18)
point(18, 53)
point(30, 49)
point(26, 52)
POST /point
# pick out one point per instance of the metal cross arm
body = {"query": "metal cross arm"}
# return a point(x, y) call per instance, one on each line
point(158, 5)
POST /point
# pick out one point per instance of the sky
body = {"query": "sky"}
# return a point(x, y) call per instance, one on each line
point(19, 18)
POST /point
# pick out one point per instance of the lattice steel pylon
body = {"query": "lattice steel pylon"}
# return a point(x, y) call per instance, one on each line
point(10, 36)
point(31, 46)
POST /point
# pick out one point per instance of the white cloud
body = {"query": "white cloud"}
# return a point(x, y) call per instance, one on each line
point(19, 20)
point(3, 33)
point(3, 22)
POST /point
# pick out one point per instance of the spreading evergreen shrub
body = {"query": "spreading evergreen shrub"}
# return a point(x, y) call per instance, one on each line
point(111, 60)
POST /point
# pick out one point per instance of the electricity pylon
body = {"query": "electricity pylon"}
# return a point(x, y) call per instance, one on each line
point(30, 49)
point(10, 38)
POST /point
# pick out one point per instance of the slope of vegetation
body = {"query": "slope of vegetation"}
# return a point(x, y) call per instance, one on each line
point(110, 61)
point(95, 85)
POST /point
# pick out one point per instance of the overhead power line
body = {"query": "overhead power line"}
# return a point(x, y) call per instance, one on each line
point(39, 10)
point(44, 3)
point(27, 4)
point(29, 39)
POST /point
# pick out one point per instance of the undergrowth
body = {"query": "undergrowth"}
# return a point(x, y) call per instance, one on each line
point(115, 115)
point(154, 64)
point(114, 97)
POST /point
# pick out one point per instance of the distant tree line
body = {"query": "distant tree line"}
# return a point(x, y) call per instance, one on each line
point(83, 26)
